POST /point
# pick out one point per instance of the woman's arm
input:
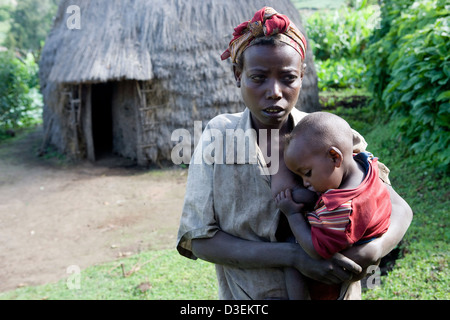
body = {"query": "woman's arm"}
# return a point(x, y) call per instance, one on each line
point(371, 253)
point(226, 249)
point(401, 218)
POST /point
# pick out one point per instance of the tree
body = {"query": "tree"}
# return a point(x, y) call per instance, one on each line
point(30, 21)
point(20, 101)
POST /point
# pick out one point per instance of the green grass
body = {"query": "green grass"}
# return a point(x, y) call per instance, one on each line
point(421, 273)
point(153, 275)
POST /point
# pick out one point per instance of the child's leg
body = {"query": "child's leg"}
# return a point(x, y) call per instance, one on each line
point(296, 285)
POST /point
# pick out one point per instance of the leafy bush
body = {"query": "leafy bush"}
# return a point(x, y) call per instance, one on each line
point(342, 33)
point(341, 73)
point(20, 100)
point(409, 69)
point(337, 39)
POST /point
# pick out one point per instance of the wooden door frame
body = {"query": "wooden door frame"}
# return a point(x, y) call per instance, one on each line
point(87, 125)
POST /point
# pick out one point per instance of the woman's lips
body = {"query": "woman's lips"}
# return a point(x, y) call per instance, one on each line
point(274, 111)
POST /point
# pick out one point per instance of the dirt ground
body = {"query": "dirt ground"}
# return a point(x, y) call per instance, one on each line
point(55, 214)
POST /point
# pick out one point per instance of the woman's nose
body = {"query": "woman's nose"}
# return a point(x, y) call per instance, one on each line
point(273, 90)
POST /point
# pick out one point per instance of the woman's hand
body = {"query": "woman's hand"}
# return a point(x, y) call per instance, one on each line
point(366, 255)
point(333, 271)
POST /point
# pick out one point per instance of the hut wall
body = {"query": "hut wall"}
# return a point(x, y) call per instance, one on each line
point(60, 125)
point(199, 93)
point(153, 100)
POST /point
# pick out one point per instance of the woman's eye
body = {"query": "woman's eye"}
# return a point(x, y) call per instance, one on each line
point(257, 78)
point(290, 78)
point(308, 173)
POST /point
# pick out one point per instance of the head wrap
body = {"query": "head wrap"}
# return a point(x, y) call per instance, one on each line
point(266, 22)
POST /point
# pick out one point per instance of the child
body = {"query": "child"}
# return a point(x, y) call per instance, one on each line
point(353, 206)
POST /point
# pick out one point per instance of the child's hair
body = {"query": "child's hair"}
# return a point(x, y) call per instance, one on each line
point(323, 130)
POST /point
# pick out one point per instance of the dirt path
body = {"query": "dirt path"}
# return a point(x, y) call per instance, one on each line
point(54, 214)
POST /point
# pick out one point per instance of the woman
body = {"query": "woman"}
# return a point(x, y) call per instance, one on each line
point(229, 216)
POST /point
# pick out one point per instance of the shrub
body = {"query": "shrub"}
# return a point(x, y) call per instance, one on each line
point(409, 69)
point(20, 100)
point(342, 73)
point(337, 39)
point(342, 33)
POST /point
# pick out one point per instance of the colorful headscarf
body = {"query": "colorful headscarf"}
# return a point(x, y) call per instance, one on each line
point(266, 22)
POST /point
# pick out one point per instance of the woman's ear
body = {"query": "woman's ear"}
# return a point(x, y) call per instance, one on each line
point(336, 156)
point(237, 74)
point(303, 70)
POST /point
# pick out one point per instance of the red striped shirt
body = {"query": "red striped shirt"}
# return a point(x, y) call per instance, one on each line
point(345, 216)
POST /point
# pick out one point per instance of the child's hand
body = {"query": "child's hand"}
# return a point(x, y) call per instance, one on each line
point(302, 195)
point(286, 204)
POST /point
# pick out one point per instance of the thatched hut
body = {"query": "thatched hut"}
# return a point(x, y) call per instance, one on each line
point(134, 71)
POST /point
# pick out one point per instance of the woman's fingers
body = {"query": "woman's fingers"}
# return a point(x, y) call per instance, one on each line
point(326, 271)
point(346, 263)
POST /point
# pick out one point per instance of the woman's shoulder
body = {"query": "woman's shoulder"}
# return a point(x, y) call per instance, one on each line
point(226, 121)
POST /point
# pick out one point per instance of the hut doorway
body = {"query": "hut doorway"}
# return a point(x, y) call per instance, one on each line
point(102, 121)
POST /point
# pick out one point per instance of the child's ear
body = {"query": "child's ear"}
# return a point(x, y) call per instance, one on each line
point(237, 74)
point(336, 156)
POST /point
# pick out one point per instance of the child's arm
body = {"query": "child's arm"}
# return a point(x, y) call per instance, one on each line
point(302, 233)
point(299, 226)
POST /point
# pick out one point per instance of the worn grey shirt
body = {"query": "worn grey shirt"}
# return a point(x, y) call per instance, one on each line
point(234, 197)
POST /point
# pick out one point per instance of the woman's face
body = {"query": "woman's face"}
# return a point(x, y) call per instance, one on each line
point(270, 82)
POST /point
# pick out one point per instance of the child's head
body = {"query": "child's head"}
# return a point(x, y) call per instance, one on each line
point(316, 148)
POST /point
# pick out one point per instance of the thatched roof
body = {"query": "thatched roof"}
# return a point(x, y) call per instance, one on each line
point(124, 39)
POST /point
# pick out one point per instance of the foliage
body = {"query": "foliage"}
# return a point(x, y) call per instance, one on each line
point(20, 100)
point(342, 33)
point(30, 21)
point(331, 4)
point(341, 73)
point(408, 65)
point(5, 10)
point(337, 39)
point(317, 4)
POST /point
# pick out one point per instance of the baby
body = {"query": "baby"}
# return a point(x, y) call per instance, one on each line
point(354, 204)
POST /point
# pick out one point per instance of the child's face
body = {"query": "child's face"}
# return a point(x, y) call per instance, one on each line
point(317, 169)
